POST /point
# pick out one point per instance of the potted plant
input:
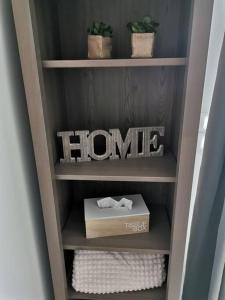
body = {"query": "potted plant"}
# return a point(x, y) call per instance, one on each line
point(142, 37)
point(99, 41)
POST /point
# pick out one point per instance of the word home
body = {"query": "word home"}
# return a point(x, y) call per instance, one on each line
point(139, 142)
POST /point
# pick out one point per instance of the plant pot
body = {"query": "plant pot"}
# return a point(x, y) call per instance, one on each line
point(142, 45)
point(99, 47)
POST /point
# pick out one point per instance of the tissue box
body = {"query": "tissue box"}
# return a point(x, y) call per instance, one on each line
point(100, 222)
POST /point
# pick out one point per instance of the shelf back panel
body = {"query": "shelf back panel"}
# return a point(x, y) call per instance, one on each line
point(77, 16)
point(120, 98)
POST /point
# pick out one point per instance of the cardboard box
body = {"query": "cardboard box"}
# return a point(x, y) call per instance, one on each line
point(102, 222)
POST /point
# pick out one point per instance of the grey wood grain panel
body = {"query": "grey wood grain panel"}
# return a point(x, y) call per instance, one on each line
point(152, 192)
point(114, 63)
point(76, 16)
point(157, 240)
point(47, 17)
point(170, 201)
point(56, 115)
point(49, 44)
point(26, 30)
point(184, 26)
point(198, 49)
point(64, 196)
point(120, 98)
point(154, 294)
point(177, 111)
point(157, 169)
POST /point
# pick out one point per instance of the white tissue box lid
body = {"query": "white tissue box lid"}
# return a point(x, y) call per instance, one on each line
point(92, 211)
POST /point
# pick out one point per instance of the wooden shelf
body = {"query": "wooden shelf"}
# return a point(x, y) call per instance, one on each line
point(115, 63)
point(157, 240)
point(154, 169)
point(153, 294)
point(160, 90)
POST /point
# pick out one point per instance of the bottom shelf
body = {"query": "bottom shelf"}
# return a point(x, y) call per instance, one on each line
point(153, 294)
point(157, 240)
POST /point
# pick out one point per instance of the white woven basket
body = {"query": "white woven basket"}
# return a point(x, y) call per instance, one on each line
point(102, 272)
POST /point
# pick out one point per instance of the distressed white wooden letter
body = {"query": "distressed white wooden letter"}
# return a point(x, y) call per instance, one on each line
point(68, 146)
point(123, 146)
point(91, 144)
point(148, 141)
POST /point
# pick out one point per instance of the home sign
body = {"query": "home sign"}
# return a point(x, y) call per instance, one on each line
point(115, 146)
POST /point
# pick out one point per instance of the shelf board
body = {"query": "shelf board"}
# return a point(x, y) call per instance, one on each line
point(154, 169)
point(115, 63)
point(157, 240)
point(153, 294)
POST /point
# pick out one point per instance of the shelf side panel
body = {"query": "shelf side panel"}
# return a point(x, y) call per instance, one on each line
point(193, 92)
point(25, 22)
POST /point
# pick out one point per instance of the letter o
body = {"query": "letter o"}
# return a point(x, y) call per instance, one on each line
point(91, 145)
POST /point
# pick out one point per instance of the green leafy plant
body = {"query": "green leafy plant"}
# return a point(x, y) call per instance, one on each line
point(147, 24)
point(100, 28)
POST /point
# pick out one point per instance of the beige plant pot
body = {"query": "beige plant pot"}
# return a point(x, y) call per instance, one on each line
point(142, 45)
point(99, 47)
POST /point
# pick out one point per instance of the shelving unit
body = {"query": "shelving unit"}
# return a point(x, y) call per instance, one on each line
point(65, 91)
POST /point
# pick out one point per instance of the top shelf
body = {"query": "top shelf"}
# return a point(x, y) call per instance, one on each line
point(115, 63)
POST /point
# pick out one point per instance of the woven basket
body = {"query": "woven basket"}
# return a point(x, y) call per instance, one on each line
point(103, 272)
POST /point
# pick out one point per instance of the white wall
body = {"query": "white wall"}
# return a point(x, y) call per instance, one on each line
point(215, 44)
point(24, 266)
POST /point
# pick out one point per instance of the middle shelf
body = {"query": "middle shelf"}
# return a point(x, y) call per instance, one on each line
point(116, 63)
point(157, 240)
point(154, 169)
